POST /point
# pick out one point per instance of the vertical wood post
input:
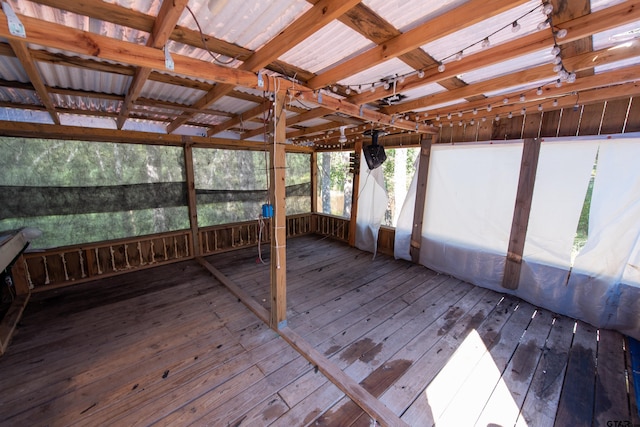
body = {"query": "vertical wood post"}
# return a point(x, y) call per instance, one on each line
point(522, 210)
point(314, 182)
point(278, 316)
point(355, 194)
point(191, 196)
point(421, 195)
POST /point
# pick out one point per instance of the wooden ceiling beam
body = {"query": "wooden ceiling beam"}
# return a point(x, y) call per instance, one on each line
point(307, 115)
point(311, 21)
point(86, 43)
point(168, 17)
point(242, 117)
point(578, 29)
point(35, 130)
point(469, 13)
point(22, 52)
point(542, 72)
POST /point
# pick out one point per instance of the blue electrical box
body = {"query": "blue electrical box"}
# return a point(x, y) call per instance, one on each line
point(267, 210)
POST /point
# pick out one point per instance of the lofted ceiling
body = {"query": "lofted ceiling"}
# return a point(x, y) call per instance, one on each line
point(206, 68)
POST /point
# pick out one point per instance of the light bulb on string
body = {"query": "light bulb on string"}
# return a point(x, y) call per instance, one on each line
point(485, 43)
point(441, 67)
point(543, 24)
point(557, 59)
point(515, 27)
point(497, 118)
point(475, 111)
point(510, 115)
point(539, 91)
point(557, 68)
point(523, 111)
point(373, 88)
point(459, 56)
point(539, 107)
point(561, 33)
point(459, 113)
point(555, 51)
point(489, 107)
point(449, 116)
point(571, 78)
point(505, 101)
point(386, 85)
point(555, 102)
point(558, 83)
point(522, 97)
point(421, 74)
point(347, 90)
point(547, 9)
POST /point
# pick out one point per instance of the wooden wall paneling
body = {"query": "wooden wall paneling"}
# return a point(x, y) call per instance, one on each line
point(159, 250)
point(20, 278)
point(549, 127)
point(119, 257)
point(74, 266)
point(446, 134)
point(146, 252)
point(569, 122)
point(386, 237)
point(55, 268)
point(513, 128)
point(614, 116)
point(470, 131)
point(103, 259)
point(499, 129)
point(522, 210)
point(485, 129)
point(591, 119)
point(134, 254)
point(532, 125)
point(633, 118)
point(457, 132)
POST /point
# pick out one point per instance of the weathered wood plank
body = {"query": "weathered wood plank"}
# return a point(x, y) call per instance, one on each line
point(611, 399)
point(577, 398)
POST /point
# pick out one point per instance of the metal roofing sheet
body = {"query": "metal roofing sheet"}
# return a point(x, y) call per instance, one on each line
point(405, 15)
point(172, 93)
point(86, 103)
point(248, 24)
point(326, 48)
point(19, 96)
point(60, 76)
point(375, 74)
point(469, 39)
point(523, 62)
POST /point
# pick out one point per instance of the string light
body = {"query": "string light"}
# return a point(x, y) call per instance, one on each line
point(539, 91)
point(539, 107)
point(522, 97)
point(441, 67)
point(485, 43)
point(555, 102)
point(515, 27)
point(421, 74)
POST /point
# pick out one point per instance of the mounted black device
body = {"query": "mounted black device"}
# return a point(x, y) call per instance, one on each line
point(374, 154)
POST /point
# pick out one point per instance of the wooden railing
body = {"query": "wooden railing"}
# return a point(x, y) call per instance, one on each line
point(80, 263)
point(64, 266)
point(227, 237)
point(70, 265)
point(332, 226)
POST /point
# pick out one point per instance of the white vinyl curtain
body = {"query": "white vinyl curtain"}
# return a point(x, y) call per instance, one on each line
point(471, 193)
point(372, 205)
point(469, 209)
point(605, 272)
point(404, 224)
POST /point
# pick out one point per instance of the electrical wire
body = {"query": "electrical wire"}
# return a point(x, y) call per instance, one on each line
point(216, 57)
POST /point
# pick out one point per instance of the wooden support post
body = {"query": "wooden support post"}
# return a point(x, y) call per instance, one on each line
point(524, 195)
point(355, 194)
point(314, 182)
point(191, 196)
point(19, 273)
point(278, 317)
point(421, 195)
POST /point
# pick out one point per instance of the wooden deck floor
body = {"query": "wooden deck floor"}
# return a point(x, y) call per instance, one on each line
point(171, 346)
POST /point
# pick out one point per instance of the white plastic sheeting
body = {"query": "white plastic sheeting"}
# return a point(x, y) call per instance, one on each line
point(469, 208)
point(614, 234)
point(471, 193)
point(372, 205)
point(404, 225)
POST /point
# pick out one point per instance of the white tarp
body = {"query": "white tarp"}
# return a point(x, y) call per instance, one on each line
point(404, 224)
point(469, 209)
point(372, 205)
point(471, 193)
point(614, 232)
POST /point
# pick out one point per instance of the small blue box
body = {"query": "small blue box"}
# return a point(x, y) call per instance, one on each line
point(267, 210)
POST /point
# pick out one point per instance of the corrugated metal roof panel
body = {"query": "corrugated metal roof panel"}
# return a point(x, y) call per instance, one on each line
point(445, 48)
point(516, 64)
point(86, 103)
point(232, 105)
point(30, 116)
point(375, 74)
point(326, 48)
point(19, 96)
point(171, 93)
point(11, 69)
point(59, 76)
point(616, 36)
point(405, 15)
point(247, 24)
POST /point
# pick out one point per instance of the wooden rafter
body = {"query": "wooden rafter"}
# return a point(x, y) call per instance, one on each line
point(166, 21)
point(578, 29)
point(315, 18)
point(542, 72)
point(22, 52)
point(469, 13)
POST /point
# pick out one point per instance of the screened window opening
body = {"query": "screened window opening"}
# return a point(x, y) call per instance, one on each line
point(335, 184)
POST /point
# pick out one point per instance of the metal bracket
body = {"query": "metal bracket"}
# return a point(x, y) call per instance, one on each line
point(168, 60)
point(260, 80)
point(15, 26)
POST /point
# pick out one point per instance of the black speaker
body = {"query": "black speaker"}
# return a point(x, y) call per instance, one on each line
point(374, 154)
